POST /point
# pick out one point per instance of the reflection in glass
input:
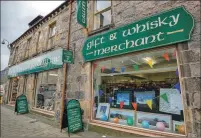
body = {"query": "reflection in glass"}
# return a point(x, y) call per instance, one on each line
point(140, 79)
point(102, 19)
point(100, 5)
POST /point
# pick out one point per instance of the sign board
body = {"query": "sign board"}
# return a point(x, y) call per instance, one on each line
point(51, 60)
point(21, 104)
point(67, 56)
point(82, 12)
point(168, 27)
point(74, 117)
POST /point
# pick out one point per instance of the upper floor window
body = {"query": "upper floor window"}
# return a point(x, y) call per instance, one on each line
point(102, 15)
point(52, 30)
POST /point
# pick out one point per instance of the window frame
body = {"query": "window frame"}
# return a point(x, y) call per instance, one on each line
point(99, 12)
point(131, 129)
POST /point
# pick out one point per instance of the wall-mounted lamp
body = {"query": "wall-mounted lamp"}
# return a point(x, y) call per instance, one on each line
point(3, 42)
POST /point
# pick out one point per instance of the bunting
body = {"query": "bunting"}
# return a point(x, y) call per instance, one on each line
point(113, 69)
point(102, 68)
point(123, 69)
point(164, 96)
point(134, 106)
point(121, 104)
point(149, 103)
point(166, 56)
point(135, 66)
point(150, 62)
point(94, 66)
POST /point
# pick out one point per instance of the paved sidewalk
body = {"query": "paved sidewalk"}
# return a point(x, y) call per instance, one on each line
point(21, 125)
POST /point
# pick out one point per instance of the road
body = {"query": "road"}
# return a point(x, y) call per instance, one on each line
point(23, 126)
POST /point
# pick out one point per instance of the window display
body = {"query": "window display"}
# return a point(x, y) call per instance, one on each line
point(140, 91)
point(46, 90)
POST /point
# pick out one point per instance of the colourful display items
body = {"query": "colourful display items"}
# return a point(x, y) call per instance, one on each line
point(130, 121)
point(160, 126)
point(181, 129)
point(145, 124)
point(116, 120)
point(103, 117)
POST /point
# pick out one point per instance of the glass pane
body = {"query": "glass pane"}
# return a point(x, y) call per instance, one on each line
point(148, 80)
point(101, 5)
point(102, 19)
point(46, 90)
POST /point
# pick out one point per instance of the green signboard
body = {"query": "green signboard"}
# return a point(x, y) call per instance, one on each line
point(74, 116)
point(21, 104)
point(67, 56)
point(82, 12)
point(168, 27)
point(51, 60)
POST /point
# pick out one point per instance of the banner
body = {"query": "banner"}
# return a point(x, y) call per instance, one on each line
point(82, 12)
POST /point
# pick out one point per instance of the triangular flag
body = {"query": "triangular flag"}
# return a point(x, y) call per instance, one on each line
point(100, 92)
point(103, 68)
point(177, 86)
point(134, 106)
point(149, 103)
point(94, 66)
point(177, 72)
point(110, 99)
point(121, 104)
point(135, 66)
point(113, 69)
point(175, 52)
point(150, 62)
point(166, 56)
point(123, 69)
point(164, 96)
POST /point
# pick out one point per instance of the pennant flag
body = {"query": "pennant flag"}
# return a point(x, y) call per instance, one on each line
point(135, 66)
point(100, 92)
point(149, 103)
point(113, 69)
point(103, 68)
point(110, 99)
point(175, 52)
point(166, 56)
point(94, 66)
point(134, 106)
point(123, 69)
point(177, 86)
point(164, 96)
point(177, 72)
point(121, 104)
point(150, 62)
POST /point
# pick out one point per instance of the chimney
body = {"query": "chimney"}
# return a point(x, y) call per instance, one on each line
point(35, 20)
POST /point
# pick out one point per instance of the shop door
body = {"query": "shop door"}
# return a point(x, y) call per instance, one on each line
point(30, 88)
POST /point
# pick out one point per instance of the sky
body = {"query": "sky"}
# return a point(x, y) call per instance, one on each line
point(15, 16)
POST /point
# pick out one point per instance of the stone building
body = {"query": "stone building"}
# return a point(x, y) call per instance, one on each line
point(105, 84)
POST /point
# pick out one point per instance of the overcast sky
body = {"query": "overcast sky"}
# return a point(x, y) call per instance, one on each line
point(15, 16)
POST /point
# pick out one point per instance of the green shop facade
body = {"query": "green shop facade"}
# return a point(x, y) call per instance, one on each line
point(136, 76)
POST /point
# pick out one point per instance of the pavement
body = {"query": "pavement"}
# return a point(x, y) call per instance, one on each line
point(25, 126)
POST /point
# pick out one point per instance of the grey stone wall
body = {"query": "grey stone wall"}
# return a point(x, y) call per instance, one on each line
point(78, 75)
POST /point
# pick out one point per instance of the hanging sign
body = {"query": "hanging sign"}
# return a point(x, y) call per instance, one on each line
point(165, 28)
point(74, 116)
point(82, 12)
point(21, 104)
point(67, 56)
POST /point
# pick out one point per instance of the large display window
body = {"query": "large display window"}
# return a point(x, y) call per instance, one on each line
point(46, 90)
point(139, 90)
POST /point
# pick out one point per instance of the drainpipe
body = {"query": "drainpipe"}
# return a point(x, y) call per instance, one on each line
point(65, 70)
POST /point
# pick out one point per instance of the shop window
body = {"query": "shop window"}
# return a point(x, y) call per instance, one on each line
point(102, 15)
point(46, 90)
point(147, 82)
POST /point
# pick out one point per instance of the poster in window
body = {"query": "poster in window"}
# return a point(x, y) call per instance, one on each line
point(174, 104)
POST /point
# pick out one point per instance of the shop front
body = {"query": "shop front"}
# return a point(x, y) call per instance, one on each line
point(136, 75)
point(39, 79)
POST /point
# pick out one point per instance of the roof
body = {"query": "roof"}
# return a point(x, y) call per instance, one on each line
point(43, 19)
point(39, 17)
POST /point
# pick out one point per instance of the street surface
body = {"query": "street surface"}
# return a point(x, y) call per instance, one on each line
point(23, 126)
